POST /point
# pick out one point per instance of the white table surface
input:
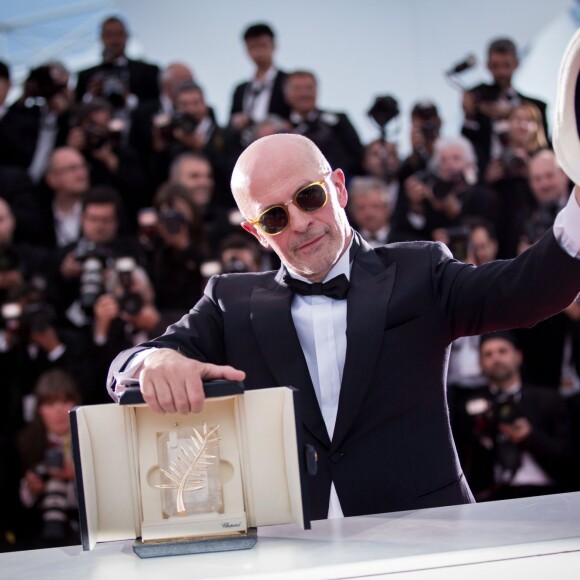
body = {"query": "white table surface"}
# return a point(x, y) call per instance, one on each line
point(526, 538)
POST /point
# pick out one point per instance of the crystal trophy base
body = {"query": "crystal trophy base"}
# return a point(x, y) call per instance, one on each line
point(200, 545)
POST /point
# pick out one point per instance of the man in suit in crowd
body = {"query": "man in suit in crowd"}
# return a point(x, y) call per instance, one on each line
point(517, 436)
point(333, 133)
point(487, 106)
point(370, 368)
point(256, 99)
point(38, 121)
point(117, 76)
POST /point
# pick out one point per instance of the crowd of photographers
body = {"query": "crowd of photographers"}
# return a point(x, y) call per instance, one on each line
point(115, 209)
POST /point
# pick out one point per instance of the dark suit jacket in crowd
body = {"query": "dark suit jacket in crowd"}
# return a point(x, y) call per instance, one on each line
point(143, 79)
point(336, 137)
point(392, 447)
point(278, 105)
point(19, 131)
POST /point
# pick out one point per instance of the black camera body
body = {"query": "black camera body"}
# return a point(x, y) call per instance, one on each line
point(53, 459)
point(129, 301)
point(185, 122)
point(96, 137)
point(487, 93)
point(94, 258)
point(172, 220)
point(514, 165)
point(115, 83)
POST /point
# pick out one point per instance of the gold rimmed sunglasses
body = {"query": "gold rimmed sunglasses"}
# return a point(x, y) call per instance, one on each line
point(310, 198)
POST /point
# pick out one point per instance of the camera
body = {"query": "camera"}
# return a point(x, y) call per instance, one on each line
point(172, 220)
point(184, 121)
point(95, 137)
point(40, 84)
point(487, 93)
point(92, 283)
point(384, 110)
point(114, 84)
point(428, 116)
point(86, 249)
point(513, 163)
point(94, 257)
point(27, 311)
point(53, 459)
point(235, 265)
point(129, 302)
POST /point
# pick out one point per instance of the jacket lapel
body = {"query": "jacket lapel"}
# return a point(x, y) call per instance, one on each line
point(371, 286)
point(278, 340)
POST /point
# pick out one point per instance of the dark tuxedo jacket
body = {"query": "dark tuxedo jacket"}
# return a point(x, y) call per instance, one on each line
point(143, 79)
point(278, 105)
point(392, 447)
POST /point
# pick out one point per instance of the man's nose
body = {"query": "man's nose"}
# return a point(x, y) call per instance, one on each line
point(299, 220)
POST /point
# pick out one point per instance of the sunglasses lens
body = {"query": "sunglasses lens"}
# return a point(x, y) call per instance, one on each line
point(274, 220)
point(311, 198)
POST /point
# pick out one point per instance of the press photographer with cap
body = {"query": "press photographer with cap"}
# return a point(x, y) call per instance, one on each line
point(370, 368)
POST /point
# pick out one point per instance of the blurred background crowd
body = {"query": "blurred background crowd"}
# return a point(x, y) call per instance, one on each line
point(115, 209)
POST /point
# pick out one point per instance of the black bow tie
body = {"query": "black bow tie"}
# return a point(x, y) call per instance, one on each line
point(335, 288)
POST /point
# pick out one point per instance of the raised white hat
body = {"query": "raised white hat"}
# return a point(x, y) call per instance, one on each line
point(566, 133)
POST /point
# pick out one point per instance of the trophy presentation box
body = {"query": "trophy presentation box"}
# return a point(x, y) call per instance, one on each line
point(201, 482)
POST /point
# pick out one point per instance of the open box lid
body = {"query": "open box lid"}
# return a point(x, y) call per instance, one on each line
point(272, 453)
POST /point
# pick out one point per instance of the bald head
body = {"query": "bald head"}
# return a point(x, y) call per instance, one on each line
point(175, 75)
point(269, 161)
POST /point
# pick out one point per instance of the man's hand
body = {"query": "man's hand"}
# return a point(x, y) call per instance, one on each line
point(517, 431)
point(173, 383)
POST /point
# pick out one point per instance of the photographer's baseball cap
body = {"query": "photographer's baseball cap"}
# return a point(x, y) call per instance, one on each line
point(501, 334)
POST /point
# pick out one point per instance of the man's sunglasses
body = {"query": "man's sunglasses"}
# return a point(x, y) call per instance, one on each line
point(275, 219)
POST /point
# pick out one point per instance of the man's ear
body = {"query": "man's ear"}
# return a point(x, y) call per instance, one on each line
point(338, 181)
point(252, 229)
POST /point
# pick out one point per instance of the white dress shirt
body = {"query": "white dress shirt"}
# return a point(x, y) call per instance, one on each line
point(320, 323)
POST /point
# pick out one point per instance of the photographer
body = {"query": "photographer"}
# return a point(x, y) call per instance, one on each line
point(190, 129)
point(437, 203)
point(381, 160)
point(95, 134)
point(176, 248)
point(37, 121)
point(194, 172)
point(425, 130)
point(508, 174)
point(82, 266)
point(119, 79)
point(332, 132)
point(487, 106)
point(240, 253)
point(517, 435)
point(47, 488)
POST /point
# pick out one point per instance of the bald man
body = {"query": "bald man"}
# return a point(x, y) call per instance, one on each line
point(370, 359)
